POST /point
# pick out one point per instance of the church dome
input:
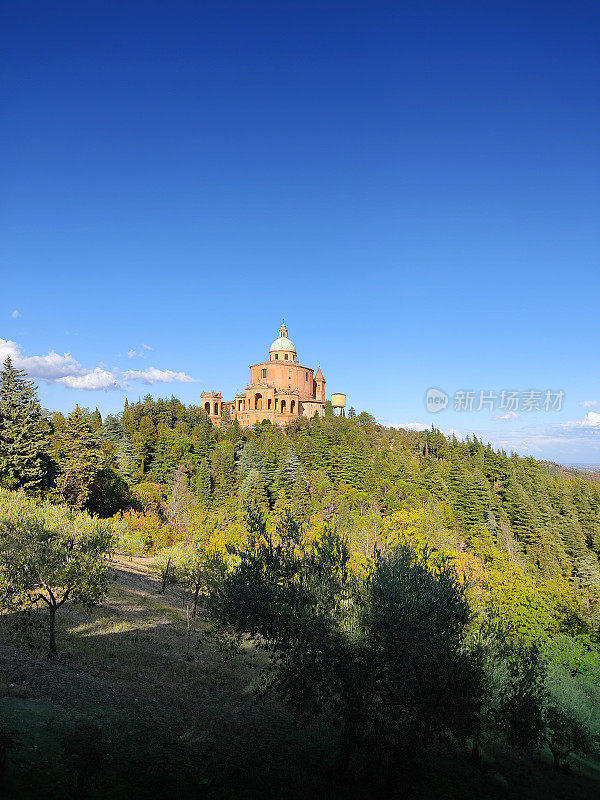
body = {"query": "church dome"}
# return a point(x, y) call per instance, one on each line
point(282, 343)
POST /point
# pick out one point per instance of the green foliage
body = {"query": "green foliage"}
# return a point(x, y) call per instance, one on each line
point(81, 459)
point(51, 554)
point(373, 657)
point(24, 434)
point(108, 494)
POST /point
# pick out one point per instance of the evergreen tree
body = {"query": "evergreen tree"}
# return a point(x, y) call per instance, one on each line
point(221, 462)
point(203, 482)
point(111, 430)
point(24, 433)
point(300, 503)
point(225, 417)
point(288, 471)
point(143, 441)
point(82, 459)
point(163, 463)
point(253, 494)
point(125, 459)
point(96, 421)
point(250, 457)
point(128, 420)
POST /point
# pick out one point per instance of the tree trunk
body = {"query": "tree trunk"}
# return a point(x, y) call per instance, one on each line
point(196, 593)
point(52, 652)
point(347, 744)
point(165, 580)
point(475, 757)
point(556, 756)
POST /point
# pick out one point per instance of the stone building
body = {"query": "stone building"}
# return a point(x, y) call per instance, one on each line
point(280, 390)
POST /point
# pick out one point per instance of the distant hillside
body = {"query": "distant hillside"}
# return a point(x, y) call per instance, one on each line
point(587, 472)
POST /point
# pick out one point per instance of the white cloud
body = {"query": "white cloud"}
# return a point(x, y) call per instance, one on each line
point(146, 346)
point(508, 415)
point(96, 378)
point(153, 375)
point(67, 371)
point(15, 314)
point(591, 420)
point(589, 403)
point(132, 354)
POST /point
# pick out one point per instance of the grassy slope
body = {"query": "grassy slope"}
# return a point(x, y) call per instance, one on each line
point(171, 728)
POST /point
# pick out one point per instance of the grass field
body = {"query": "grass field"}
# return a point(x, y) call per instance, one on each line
point(124, 715)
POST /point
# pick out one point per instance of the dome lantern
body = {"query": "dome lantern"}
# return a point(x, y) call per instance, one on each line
point(282, 348)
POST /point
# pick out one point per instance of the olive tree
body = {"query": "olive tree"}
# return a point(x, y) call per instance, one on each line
point(50, 555)
point(374, 657)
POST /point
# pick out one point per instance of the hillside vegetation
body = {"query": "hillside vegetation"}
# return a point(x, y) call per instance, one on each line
point(334, 609)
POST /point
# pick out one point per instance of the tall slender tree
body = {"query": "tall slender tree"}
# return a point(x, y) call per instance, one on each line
point(24, 433)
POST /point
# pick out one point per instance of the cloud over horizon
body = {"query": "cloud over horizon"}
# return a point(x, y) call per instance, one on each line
point(65, 370)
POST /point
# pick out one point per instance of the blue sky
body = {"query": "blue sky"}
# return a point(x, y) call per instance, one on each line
point(413, 186)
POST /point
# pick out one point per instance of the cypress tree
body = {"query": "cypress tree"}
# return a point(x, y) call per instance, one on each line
point(24, 433)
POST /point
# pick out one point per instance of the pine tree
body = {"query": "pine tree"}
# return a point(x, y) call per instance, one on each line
point(128, 420)
point(225, 417)
point(125, 459)
point(96, 421)
point(300, 503)
point(203, 482)
point(221, 462)
point(143, 441)
point(24, 433)
point(253, 494)
point(250, 457)
point(111, 430)
point(82, 459)
point(289, 469)
point(163, 463)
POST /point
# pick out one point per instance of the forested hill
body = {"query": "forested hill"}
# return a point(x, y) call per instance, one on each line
point(587, 472)
point(346, 499)
point(357, 470)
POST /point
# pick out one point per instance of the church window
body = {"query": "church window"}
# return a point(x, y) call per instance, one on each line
point(286, 356)
point(276, 356)
point(306, 377)
point(264, 373)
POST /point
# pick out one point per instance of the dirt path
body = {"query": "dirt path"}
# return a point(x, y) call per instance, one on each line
point(138, 575)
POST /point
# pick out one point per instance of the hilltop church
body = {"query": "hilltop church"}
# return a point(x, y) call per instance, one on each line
point(280, 390)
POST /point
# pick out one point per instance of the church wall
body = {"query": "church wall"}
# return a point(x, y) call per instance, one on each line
point(284, 375)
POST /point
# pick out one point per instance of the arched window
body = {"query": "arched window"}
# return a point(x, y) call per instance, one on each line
point(286, 356)
point(216, 408)
point(283, 404)
point(269, 401)
point(292, 406)
point(207, 407)
point(258, 401)
point(276, 356)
